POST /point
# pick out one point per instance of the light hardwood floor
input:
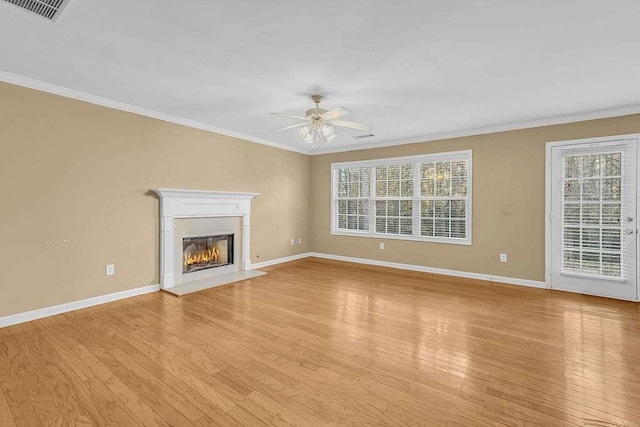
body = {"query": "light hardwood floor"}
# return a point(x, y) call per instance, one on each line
point(319, 342)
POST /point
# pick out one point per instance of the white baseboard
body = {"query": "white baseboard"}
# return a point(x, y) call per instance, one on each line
point(410, 267)
point(279, 260)
point(27, 316)
point(423, 269)
point(14, 319)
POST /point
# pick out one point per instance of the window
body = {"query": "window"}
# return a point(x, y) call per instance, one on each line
point(425, 198)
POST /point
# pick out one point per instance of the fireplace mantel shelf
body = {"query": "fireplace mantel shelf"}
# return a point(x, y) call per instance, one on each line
point(179, 203)
point(202, 194)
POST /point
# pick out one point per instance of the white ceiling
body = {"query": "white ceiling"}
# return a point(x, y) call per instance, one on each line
point(412, 68)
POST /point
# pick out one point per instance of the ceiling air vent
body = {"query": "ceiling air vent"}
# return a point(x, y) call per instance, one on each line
point(369, 135)
point(49, 9)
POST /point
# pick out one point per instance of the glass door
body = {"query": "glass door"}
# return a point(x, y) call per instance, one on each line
point(593, 218)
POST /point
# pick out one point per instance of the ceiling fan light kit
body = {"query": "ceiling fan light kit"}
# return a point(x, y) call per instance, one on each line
point(319, 124)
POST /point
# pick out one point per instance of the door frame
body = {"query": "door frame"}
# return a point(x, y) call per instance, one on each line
point(547, 196)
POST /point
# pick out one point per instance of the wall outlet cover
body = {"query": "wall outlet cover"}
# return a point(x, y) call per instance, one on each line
point(110, 269)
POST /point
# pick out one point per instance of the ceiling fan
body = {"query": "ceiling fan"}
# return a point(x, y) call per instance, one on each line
point(319, 124)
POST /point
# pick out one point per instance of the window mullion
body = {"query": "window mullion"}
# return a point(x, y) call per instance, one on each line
point(417, 189)
point(372, 201)
point(334, 197)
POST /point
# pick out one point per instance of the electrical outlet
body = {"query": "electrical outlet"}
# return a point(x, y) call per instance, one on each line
point(503, 257)
point(381, 245)
point(293, 242)
point(299, 240)
point(110, 269)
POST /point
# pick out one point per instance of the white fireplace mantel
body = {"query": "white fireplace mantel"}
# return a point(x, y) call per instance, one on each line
point(175, 203)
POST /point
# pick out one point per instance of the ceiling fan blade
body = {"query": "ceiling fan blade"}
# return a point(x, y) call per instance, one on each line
point(289, 115)
point(292, 126)
point(351, 125)
point(335, 113)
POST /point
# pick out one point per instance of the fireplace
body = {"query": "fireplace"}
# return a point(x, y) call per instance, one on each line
point(187, 213)
point(204, 252)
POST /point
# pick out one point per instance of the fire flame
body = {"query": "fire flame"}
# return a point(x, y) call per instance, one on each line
point(201, 256)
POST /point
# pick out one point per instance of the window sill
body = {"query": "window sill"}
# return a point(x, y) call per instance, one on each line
point(450, 241)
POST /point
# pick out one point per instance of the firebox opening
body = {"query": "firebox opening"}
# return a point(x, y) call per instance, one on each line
point(201, 253)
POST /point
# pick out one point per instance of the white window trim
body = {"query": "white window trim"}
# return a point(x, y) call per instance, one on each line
point(451, 155)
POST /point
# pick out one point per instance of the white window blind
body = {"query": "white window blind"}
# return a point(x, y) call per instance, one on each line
point(425, 198)
point(593, 214)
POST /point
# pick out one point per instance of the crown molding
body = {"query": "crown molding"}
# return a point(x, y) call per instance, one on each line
point(593, 115)
point(105, 102)
point(110, 103)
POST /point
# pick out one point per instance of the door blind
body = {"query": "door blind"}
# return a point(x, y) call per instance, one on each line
point(593, 214)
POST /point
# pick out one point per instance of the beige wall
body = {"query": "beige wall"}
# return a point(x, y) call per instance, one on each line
point(74, 186)
point(75, 181)
point(508, 201)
